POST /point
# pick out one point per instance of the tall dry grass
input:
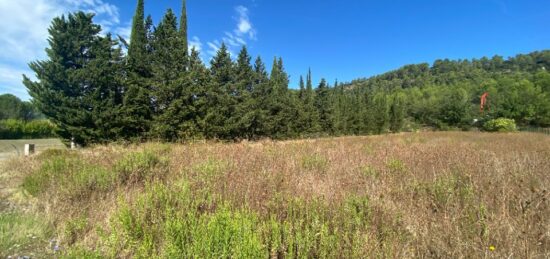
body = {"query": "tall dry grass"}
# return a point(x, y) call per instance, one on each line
point(436, 194)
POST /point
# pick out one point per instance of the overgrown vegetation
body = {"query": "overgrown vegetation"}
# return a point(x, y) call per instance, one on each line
point(354, 197)
point(20, 233)
point(500, 125)
point(18, 129)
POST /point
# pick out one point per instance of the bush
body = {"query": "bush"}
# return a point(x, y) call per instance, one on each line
point(500, 125)
point(18, 129)
point(137, 166)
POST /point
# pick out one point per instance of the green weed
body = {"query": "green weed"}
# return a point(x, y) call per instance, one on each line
point(21, 232)
point(396, 166)
point(138, 166)
point(369, 171)
point(315, 162)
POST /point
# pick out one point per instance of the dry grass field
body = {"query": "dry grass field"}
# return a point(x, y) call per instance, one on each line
point(415, 195)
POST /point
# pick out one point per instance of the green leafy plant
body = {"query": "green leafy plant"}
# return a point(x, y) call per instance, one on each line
point(500, 125)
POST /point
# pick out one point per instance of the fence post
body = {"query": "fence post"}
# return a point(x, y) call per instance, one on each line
point(29, 149)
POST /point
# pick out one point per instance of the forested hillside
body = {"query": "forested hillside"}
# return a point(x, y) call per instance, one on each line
point(95, 92)
point(447, 93)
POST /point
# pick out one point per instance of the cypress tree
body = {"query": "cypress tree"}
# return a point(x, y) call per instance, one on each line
point(169, 80)
point(312, 124)
point(220, 106)
point(183, 28)
point(79, 85)
point(199, 86)
point(323, 105)
point(244, 116)
point(280, 104)
point(260, 95)
point(137, 50)
point(302, 93)
point(137, 96)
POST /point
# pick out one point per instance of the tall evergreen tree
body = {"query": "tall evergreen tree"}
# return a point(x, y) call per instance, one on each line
point(137, 96)
point(302, 94)
point(169, 79)
point(380, 112)
point(397, 112)
point(260, 95)
point(324, 107)
point(244, 116)
point(137, 50)
point(79, 85)
point(311, 113)
point(220, 106)
point(183, 28)
point(200, 85)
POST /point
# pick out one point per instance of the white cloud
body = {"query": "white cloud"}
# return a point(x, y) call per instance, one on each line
point(25, 37)
point(214, 46)
point(244, 26)
point(244, 30)
point(196, 43)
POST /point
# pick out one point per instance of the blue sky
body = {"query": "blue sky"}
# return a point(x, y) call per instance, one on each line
point(342, 40)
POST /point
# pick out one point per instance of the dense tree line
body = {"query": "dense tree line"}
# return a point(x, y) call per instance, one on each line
point(20, 119)
point(11, 107)
point(94, 92)
point(447, 94)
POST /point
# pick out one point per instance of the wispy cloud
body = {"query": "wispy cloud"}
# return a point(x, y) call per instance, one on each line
point(244, 31)
point(195, 43)
point(244, 26)
point(25, 39)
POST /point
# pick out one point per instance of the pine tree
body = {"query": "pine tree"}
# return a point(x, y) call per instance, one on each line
point(324, 107)
point(220, 106)
point(137, 50)
point(260, 96)
point(137, 96)
point(243, 118)
point(169, 80)
point(310, 112)
point(380, 110)
point(200, 84)
point(280, 104)
point(79, 85)
point(302, 94)
point(397, 112)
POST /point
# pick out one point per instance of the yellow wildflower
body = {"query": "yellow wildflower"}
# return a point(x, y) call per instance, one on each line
point(492, 248)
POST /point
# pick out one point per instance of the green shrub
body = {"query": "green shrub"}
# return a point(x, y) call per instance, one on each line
point(137, 166)
point(163, 222)
point(18, 129)
point(500, 125)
